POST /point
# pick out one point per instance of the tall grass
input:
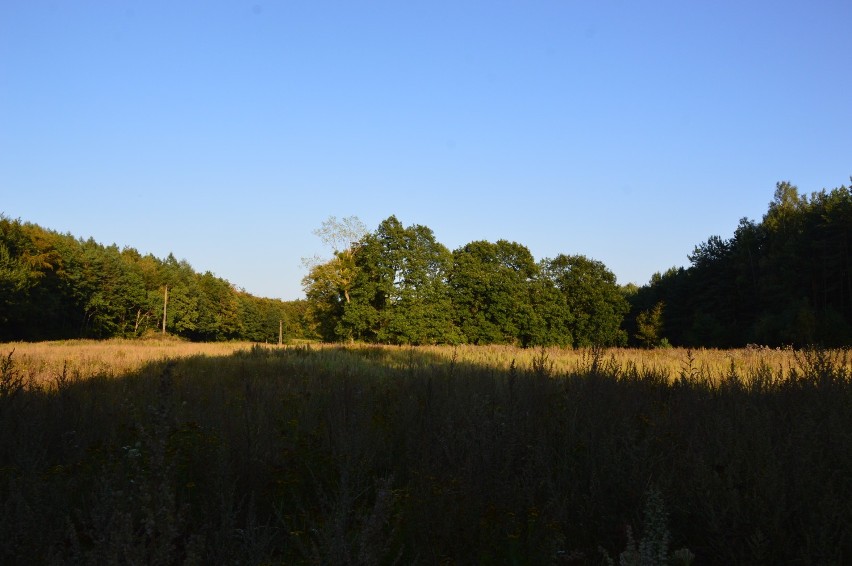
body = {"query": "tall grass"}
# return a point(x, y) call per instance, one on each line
point(42, 362)
point(375, 455)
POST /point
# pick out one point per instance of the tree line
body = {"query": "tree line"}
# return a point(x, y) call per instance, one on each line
point(56, 286)
point(786, 280)
point(399, 285)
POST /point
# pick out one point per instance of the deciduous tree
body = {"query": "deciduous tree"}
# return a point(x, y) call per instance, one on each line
point(592, 296)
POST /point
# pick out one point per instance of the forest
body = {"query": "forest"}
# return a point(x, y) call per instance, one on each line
point(786, 280)
point(55, 286)
point(783, 280)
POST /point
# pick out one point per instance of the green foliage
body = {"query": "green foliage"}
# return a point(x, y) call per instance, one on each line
point(649, 327)
point(592, 296)
point(325, 298)
point(784, 280)
point(400, 294)
point(56, 286)
point(550, 319)
point(398, 285)
point(499, 297)
point(328, 283)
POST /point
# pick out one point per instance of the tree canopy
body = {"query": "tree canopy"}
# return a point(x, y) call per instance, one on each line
point(785, 280)
point(590, 291)
point(55, 286)
point(408, 288)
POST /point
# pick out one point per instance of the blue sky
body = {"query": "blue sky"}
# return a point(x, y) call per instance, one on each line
point(227, 131)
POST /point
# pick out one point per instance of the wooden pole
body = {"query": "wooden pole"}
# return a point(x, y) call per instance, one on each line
point(165, 304)
point(280, 331)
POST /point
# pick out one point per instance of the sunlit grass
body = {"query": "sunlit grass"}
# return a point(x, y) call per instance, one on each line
point(42, 362)
point(708, 364)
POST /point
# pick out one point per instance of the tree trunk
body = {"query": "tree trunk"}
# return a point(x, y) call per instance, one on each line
point(165, 304)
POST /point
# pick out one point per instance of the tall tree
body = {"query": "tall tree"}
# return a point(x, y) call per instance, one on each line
point(183, 296)
point(499, 297)
point(326, 299)
point(344, 238)
point(328, 283)
point(218, 309)
point(649, 326)
point(592, 296)
point(400, 292)
point(784, 280)
point(22, 266)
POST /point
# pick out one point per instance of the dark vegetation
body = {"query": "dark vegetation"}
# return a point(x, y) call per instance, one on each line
point(784, 280)
point(392, 456)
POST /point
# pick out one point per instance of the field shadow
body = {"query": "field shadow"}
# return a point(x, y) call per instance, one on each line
point(401, 455)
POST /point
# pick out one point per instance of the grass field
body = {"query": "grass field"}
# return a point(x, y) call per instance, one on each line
point(166, 452)
point(43, 362)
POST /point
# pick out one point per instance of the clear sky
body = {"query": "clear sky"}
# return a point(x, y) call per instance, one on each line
point(226, 131)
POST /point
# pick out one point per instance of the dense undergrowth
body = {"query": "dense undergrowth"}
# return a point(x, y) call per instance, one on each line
point(395, 456)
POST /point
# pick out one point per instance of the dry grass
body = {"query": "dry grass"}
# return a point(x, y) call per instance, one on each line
point(711, 365)
point(42, 363)
point(177, 453)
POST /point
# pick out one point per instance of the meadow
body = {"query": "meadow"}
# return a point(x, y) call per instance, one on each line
point(167, 452)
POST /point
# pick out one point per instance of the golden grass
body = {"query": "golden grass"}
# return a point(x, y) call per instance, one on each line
point(43, 362)
point(710, 364)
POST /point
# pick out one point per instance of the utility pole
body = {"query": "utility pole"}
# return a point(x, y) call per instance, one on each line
point(165, 304)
